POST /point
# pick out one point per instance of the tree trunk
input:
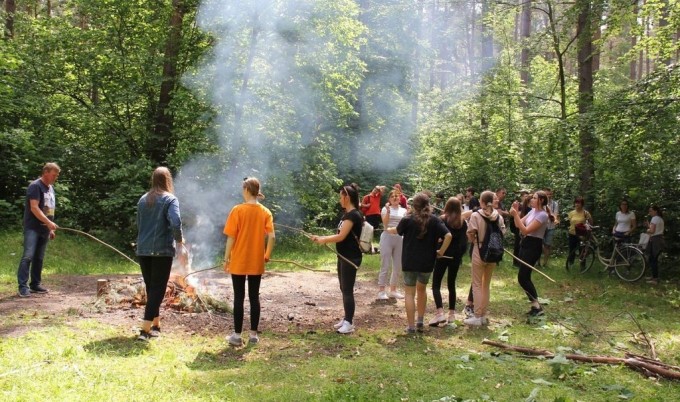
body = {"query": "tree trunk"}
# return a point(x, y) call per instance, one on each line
point(585, 97)
point(525, 33)
point(633, 42)
point(10, 10)
point(416, 66)
point(161, 142)
point(471, 22)
point(559, 54)
point(663, 23)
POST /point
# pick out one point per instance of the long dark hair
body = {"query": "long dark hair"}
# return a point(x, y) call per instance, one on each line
point(352, 191)
point(453, 213)
point(658, 210)
point(421, 212)
point(543, 199)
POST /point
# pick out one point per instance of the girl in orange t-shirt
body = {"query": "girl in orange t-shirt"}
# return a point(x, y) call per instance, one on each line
point(245, 255)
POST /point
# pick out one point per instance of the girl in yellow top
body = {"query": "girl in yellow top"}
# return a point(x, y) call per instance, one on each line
point(578, 215)
point(245, 255)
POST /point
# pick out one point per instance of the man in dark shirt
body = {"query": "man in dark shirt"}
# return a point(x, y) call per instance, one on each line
point(39, 228)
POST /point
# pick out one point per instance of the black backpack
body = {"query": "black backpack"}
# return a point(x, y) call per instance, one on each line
point(491, 249)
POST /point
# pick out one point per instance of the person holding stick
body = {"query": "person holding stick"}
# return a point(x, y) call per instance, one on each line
point(533, 227)
point(245, 255)
point(349, 253)
point(422, 234)
point(159, 238)
point(456, 224)
point(39, 229)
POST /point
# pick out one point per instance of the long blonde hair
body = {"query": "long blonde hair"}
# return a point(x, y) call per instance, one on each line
point(161, 182)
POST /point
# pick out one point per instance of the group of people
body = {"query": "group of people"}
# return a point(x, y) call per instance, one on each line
point(625, 225)
point(418, 240)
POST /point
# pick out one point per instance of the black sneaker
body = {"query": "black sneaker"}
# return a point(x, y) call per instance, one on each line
point(155, 331)
point(38, 289)
point(419, 327)
point(144, 336)
point(24, 292)
point(535, 312)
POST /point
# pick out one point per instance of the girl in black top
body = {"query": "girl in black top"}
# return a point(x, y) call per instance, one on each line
point(347, 240)
point(454, 222)
point(422, 233)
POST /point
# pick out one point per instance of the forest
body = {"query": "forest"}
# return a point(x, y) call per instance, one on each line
point(580, 96)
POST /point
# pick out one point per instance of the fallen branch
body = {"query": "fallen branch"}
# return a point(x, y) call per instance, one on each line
point(647, 366)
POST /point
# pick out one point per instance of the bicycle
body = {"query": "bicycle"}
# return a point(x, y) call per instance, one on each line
point(627, 260)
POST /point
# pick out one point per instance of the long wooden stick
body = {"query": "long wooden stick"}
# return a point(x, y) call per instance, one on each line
point(309, 235)
point(99, 241)
point(527, 265)
point(297, 264)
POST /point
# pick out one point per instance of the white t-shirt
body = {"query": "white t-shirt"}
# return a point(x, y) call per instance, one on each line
point(396, 214)
point(623, 221)
point(658, 229)
point(537, 215)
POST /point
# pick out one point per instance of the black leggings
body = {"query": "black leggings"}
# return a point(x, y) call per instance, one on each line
point(239, 284)
point(530, 251)
point(574, 242)
point(156, 272)
point(347, 275)
point(439, 270)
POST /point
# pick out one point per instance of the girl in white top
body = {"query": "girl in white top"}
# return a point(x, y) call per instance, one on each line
point(390, 247)
point(656, 244)
point(625, 222)
point(533, 227)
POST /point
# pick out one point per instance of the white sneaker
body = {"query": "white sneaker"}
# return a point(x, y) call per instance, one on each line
point(437, 319)
point(474, 321)
point(383, 295)
point(396, 295)
point(235, 339)
point(346, 328)
point(339, 324)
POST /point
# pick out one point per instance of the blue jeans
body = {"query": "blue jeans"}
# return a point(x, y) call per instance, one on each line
point(32, 260)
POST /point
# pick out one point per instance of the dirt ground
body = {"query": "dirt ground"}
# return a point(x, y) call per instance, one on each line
point(297, 302)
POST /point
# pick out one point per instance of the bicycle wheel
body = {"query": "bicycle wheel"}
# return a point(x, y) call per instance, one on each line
point(586, 258)
point(583, 260)
point(630, 264)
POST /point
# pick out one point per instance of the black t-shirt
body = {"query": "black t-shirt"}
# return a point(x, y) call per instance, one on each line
point(419, 255)
point(44, 194)
point(349, 247)
point(458, 241)
point(474, 203)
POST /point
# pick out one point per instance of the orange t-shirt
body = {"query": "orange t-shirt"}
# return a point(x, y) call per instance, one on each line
point(248, 224)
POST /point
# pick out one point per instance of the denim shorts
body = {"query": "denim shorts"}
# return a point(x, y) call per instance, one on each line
point(410, 278)
point(548, 238)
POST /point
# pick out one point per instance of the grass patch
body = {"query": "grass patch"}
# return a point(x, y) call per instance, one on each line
point(78, 359)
